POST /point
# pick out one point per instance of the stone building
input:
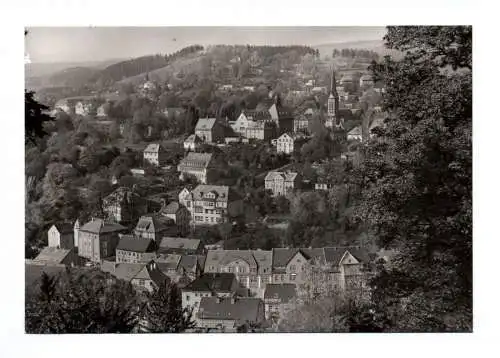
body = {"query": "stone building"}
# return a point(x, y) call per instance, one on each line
point(98, 239)
point(211, 204)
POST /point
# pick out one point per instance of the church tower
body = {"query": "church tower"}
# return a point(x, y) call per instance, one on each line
point(333, 99)
point(76, 231)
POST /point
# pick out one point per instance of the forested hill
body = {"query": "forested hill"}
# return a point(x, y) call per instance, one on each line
point(144, 64)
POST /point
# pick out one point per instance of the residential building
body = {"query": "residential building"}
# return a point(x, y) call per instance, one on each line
point(124, 205)
point(98, 239)
point(179, 214)
point(144, 277)
point(155, 154)
point(355, 134)
point(321, 270)
point(192, 142)
point(278, 300)
point(282, 183)
point(181, 269)
point(209, 130)
point(219, 245)
point(263, 130)
point(57, 256)
point(153, 227)
point(209, 285)
point(180, 245)
point(289, 144)
point(346, 80)
point(282, 116)
point(83, 108)
point(252, 268)
point(211, 204)
point(254, 125)
point(322, 186)
point(63, 105)
point(133, 249)
point(366, 80)
point(60, 235)
point(101, 111)
point(292, 265)
point(227, 314)
point(198, 165)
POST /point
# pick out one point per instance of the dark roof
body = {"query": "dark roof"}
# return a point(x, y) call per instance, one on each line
point(333, 255)
point(135, 244)
point(179, 243)
point(171, 208)
point(284, 292)
point(239, 309)
point(99, 226)
point(189, 262)
point(64, 228)
point(281, 257)
point(52, 255)
point(212, 282)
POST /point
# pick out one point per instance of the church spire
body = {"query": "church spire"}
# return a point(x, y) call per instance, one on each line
point(333, 85)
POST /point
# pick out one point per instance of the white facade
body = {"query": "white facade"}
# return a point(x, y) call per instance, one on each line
point(285, 144)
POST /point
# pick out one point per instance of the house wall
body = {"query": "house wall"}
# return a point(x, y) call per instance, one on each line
point(144, 284)
point(134, 257)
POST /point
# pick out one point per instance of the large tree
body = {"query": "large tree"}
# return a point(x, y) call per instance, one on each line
point(417, 180)
point(81, 302)
point(164, 313)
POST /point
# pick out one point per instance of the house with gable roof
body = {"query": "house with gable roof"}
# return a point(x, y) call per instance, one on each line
point(98, 239)
point(179, 214)
point(228, 314)
point(143, 276)
point(133, 249)
point(124, 205)
point(279, 299)
point(209, 130)
point(155, 154)
point(192, 142)
point(181, 269)
point(211, 204)
point(252, 124)
point(154, 227)
point(288, 143)
point(51, 256)
point(252, 268)
point(282, 183)
point(60, 235)
point(221, 284)
point(198, 165)
point(355, 134)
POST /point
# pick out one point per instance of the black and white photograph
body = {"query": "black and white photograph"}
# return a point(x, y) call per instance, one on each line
point(307, 179)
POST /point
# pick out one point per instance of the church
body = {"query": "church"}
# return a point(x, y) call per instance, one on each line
point(333, 120)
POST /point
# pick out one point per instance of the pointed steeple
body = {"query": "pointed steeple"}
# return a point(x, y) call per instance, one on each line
point(333, 84)
point(333, 99)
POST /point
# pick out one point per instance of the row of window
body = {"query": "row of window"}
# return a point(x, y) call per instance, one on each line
point(208, 219)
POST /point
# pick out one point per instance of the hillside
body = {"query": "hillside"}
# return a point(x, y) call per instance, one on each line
point(373, 45)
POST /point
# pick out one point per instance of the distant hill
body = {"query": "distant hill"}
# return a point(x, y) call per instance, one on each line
point(40, 75)
point(373, 45)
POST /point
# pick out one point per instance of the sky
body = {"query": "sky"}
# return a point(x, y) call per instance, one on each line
point(83, 44)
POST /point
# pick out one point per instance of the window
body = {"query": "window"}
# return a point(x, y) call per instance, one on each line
point(188, 204)
point(188, 297)
point(292, 277)
point(292, 268)
point(141, 283)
